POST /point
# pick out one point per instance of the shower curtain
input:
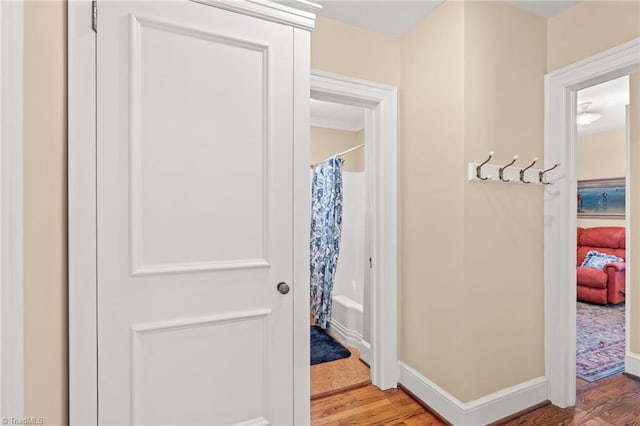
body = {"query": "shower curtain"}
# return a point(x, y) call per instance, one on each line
point(326, 226)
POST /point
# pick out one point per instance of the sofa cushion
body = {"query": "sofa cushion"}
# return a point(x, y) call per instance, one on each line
point(589, 277)
point(596, 260)
point(603, 236)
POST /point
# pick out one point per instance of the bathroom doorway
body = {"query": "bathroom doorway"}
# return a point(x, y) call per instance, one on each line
point(379, 103)
point(340, 348)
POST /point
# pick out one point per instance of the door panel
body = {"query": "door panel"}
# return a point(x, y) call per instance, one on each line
point(194, 160)
point(167, 359)
point(216, 133)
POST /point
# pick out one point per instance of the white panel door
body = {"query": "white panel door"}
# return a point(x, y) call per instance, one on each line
point(194, 196)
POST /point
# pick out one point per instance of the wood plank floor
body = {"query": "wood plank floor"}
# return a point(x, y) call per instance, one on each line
point(370, 406)
point(614, 401)
point(611, 401)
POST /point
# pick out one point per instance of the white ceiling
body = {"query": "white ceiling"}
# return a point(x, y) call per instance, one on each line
point(391, 17)
point(396, 17)
point(336, 116)
point(609, 99)
point(543, 8)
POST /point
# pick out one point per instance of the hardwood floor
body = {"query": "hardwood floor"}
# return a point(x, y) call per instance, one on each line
point(611, 401)
point(370, 406)
point(614, 401)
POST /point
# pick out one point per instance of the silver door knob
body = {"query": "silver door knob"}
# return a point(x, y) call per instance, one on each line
point(283, 288)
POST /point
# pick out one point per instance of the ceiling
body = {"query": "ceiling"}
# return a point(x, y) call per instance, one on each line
point(396, 17)
point(609, 99)
point(336, 116)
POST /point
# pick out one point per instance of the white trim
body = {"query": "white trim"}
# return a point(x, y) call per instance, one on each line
point(11, 224)
point(301, 227)
point(83, 350)
point(352, 338)
point(298, 14)
point(381, 156)
point(632, 364)
point(487, 409)
point(560, 207)
point(627, 222)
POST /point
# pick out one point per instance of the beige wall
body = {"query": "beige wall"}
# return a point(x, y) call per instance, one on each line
point(328, 142)
point(344, 49)
point(599, 156)
point(45, 241)
point(634, 152)
point(589, 28)
point(431, 209)
point(505, 62)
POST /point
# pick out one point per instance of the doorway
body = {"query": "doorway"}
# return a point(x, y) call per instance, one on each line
point(340, 288)
point(601, 173)
point(560, 205)
point(380, 125)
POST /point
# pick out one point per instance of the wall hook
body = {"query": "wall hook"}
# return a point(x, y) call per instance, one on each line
point(542, 173)
point(503, 168)
point(525, 169)
point(479, 168)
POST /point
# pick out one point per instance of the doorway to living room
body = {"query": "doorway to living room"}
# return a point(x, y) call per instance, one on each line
point(601, 173)
point(561, 89)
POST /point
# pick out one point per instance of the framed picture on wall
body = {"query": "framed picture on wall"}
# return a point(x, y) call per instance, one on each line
point(601, 198)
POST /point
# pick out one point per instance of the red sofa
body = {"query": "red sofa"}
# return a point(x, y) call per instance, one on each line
point(608, 285)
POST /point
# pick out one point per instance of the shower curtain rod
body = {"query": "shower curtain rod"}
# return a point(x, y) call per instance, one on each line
point(339, 154)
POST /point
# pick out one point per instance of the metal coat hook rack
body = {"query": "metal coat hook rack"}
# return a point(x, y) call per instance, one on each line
point(507, 173)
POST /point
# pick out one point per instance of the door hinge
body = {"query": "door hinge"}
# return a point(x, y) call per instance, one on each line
point(94, 15)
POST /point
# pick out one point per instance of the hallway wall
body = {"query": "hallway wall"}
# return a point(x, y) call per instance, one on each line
point(45, 211)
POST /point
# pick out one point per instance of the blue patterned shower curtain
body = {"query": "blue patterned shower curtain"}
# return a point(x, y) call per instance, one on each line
point(326, 228)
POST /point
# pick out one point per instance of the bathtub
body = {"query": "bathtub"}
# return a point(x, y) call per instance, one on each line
point(347, 323)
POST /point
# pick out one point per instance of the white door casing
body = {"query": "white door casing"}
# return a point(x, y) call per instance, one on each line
point(195, 214)
point(11, 221)
point(380, 103)
point(560, 207)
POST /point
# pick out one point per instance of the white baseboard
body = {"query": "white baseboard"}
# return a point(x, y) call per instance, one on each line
point(481, 411)
point(352, 338)
point(632, 364)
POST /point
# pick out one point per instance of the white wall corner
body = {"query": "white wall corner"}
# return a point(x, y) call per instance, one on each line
point(632, 364)
point(481, 411)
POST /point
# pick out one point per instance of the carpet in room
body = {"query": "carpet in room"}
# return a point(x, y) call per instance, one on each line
point(324, 347)
point(600, 348)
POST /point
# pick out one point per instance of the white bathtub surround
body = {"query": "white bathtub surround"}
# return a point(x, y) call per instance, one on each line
point(349, 279)
point(350, 289)
point(346, 324)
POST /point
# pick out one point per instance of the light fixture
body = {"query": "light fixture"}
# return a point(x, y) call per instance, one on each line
point(585, 116)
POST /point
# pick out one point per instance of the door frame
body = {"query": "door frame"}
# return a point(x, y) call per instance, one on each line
point(380, 103)
point(82, 209)
point(559, 211)
point(11, 211)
